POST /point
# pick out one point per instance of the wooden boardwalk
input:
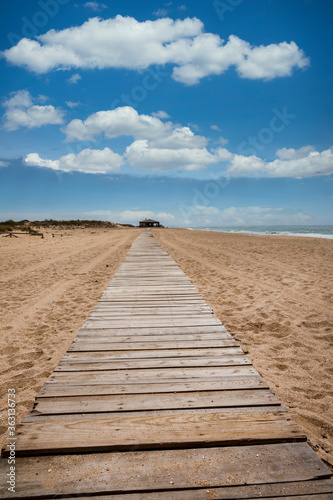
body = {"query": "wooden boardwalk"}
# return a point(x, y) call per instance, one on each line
point(156, 385)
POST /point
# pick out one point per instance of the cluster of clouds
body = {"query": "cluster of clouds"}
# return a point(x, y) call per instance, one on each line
point(124, 42)
point(22, 110)
point(89, 161)
point(200, 215)
point(161, 145)
point(158, 144)
point(297, 163)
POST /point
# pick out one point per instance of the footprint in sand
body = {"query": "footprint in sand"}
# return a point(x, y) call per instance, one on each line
point(280, 366)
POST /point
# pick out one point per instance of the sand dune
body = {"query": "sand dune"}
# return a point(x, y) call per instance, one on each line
point(274, 293)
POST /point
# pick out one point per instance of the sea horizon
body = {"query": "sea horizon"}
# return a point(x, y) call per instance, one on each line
point(310, 231)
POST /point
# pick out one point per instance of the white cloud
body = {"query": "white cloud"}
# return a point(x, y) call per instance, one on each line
point(74, 78)
point(114, 123)
point(42, 98)
point(124, 42)
point(245, 165)
point(160, 12)
point(140, 154)
point(271, 61)
point(72, 104)
point(126, 121)
point(3, 163)
point(222, 140)
point(180, 138)
point(209, 215)
point(89, 161)
point(22, 112)
point(215, 127)
point(294, 154)
point(194, 126)
point(161, 114)
point(304, 162)
point(96, 6)
point(206, 54)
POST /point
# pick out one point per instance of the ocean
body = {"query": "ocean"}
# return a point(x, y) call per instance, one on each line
point(309, 231)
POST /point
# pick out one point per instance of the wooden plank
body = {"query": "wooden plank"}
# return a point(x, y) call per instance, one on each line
point(151, 321)
point(320, 489)
point(151, 316)
point(152, 339)
point(105, 312)
point(134, 364)
point(227, 383)
point(158, 330)
point(137, 346)
point(80, 357)
point(110, 306)
point(152, 375)
point(209, 399)
point(144, 324)
point(102, 337)
point(31, 417)
point(155, 432)
point(144, 299)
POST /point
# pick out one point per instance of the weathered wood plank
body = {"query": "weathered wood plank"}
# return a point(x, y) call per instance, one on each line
point(209, 399)
point(80, 357)
point(135, 364)
point(310, 490)
point(152, 375)
point(158, 330)
point(155, 432)
point(149, 322)
point(137, 346)
point(147, 413)
point(194, 384)
point(101, 337)
point(276, 470)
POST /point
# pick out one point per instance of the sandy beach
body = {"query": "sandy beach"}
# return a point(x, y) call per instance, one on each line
point(273, 293)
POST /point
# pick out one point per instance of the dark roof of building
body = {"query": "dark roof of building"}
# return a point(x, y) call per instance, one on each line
point(148, 220)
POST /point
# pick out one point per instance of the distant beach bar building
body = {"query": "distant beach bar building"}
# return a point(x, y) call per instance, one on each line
point(149, 223)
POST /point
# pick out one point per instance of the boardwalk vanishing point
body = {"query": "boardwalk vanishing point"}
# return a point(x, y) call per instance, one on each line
point(156, 400)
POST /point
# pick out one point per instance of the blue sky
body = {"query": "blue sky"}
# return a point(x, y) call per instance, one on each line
point(195, 113)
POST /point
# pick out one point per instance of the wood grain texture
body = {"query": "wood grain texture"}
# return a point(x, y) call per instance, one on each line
point(156, 432)
point(208, 399)
point(273, 470)
point(227, 383)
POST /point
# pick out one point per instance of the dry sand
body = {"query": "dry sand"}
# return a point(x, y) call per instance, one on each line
point(47, 290)
point(274, 294)
point(271, 292)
